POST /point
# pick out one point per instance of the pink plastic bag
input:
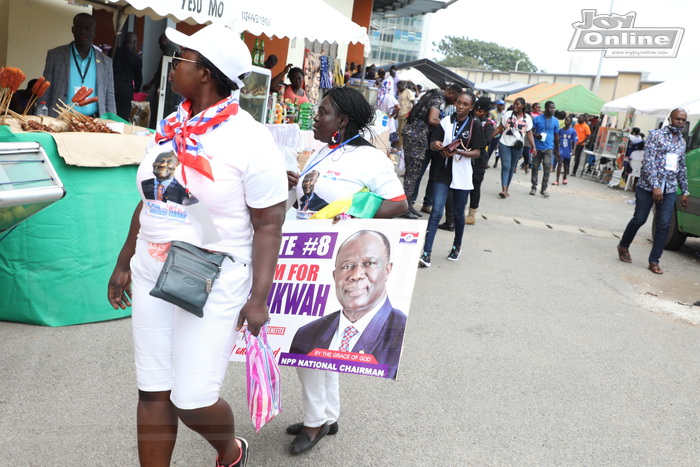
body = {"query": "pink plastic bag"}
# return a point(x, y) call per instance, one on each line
point(262, 379)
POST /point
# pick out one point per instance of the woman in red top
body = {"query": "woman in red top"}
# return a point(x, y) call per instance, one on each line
point(294, 92)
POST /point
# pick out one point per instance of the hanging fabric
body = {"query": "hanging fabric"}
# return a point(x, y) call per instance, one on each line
point(338, 74)
point(325, 82)
point(312, 67)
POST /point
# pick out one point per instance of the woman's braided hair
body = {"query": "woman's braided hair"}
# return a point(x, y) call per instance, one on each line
point(351, 103)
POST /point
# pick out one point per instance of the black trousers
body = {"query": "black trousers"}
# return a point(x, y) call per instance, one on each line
point(577, 157)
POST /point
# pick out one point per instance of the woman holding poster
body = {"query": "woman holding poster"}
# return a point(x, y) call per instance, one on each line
point(347, 164)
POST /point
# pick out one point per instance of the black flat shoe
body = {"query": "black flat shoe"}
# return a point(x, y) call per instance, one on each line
point(413, 211)
point(303, 443)
point(295, 428)
point(449, 226)
point(408, 215)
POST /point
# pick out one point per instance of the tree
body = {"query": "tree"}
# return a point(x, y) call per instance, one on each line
point(463, 52)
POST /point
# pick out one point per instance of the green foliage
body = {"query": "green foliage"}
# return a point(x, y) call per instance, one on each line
point(462, 52)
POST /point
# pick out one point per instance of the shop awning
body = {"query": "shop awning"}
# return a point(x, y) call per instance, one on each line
point(572, 98)
point(437, 74)
point(502, 88)
point(402, 8)
point(269, 17)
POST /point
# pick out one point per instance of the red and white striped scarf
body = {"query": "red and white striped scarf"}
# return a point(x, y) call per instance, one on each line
point(184, 130)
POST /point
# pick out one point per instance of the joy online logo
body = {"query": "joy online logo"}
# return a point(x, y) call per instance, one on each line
point(617, 35)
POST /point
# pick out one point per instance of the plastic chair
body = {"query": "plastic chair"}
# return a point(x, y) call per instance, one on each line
point(636, 167)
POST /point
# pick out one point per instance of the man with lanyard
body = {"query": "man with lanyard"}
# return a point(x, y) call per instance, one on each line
point(545, 129)
point(70, 67)
point(663, 171)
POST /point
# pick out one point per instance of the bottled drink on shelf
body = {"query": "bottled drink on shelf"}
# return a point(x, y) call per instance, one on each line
point(42, 110)
point(256, 52)
point(261, 53)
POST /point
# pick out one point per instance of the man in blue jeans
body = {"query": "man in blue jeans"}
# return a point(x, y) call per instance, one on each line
point(545, 129)
point(663, 171)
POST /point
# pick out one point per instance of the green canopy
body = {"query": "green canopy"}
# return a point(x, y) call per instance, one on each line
point(571, 98)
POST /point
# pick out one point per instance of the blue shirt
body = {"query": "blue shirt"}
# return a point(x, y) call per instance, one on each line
point(85, 76)
point(547, 125)
point(567, 140)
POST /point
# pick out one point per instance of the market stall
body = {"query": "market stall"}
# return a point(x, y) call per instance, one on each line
point(54, 266)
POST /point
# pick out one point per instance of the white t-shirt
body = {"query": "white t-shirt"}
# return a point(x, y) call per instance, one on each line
point(637, 155)
point(248, 170)
point(461, 166)
point(345, 172)
point(387, 103)
point(519, 126)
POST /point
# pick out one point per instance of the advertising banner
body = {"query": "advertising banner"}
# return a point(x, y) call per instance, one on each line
point(341, 295)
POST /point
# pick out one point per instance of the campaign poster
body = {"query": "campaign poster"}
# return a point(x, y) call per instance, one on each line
point(341, 295)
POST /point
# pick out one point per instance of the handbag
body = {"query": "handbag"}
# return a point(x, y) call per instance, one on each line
point(262, 379)
point(188, 275)
point(457, 143)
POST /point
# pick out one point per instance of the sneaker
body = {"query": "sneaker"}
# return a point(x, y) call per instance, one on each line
point(533, 192)
point(424, 260)
point(545, 194)
point(243, 461)
point(454, 253)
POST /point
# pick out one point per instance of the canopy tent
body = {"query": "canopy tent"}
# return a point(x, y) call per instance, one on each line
point(660, 100)
point(269, 17)
point(416, 77)
point(437, 74)
point(572, 98)
point(502, 88)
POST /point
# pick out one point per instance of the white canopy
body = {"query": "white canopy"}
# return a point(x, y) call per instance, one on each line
point(659, 100)
point(269, 17)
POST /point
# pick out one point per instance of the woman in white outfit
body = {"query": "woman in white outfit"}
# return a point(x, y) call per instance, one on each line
point(211, 156)
point(343, 167)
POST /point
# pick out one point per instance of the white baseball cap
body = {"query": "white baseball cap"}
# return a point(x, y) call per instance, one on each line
point(220, 45)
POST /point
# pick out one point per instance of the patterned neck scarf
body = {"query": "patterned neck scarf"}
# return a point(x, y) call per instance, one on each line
point(184, 130)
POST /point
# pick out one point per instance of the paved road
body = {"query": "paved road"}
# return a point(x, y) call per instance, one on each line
point(537, 348)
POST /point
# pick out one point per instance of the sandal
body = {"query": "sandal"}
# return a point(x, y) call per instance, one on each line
point(502, 194)
point(565, 181)
point(555, 183)
point(654, 267)
point(624, 255)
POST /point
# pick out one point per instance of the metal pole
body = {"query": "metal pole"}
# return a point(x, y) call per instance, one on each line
point(596, 81)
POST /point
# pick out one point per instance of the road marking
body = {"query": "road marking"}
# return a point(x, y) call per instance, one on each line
point(557, 228)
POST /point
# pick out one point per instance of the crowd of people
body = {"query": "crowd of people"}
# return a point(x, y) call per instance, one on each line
point(241, 187)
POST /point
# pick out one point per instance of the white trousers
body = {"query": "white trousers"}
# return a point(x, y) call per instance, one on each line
point(320, 396)
point(175, 350)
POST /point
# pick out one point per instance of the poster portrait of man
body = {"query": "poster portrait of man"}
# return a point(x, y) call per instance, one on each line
point(367, 322)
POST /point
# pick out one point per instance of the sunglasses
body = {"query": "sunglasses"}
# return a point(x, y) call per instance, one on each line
point(177, 57)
